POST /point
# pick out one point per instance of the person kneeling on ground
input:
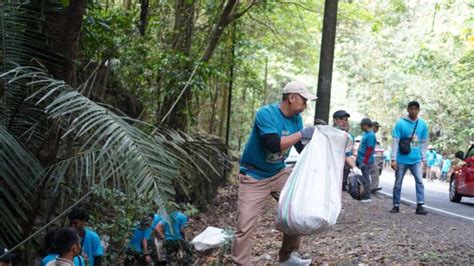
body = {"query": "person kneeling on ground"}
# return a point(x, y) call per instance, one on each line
point(140, 249)
point(177, 248)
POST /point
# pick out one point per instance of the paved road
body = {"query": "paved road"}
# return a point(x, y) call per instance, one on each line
point(436, 196)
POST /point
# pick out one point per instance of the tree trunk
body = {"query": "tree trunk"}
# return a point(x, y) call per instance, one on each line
point(127, 4)
point(143, 16)
point(213, 106)
point(326, 60)
point(223, 109)
point(231, 85)
point(65, 27)
point(181, 48)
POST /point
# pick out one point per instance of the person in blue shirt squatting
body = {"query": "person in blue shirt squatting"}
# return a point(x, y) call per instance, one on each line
point(51, 252)
point(365, 155)
point(412, 130)
point(277, 127)
point(140, 248)
point(173, 233)
point(91, 247)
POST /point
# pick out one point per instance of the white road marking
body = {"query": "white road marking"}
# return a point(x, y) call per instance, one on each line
point(431, 208)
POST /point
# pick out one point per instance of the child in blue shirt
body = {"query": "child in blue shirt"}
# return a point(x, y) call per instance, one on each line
point(140, 246)
point(91, 247)
point(52, 253)
point(445, 168)
point(172, 231)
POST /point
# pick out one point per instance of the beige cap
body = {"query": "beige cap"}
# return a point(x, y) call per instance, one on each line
point(300, 88)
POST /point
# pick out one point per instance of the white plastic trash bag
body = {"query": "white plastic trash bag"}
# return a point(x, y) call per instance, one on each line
point(311, 198)
point(210, 238)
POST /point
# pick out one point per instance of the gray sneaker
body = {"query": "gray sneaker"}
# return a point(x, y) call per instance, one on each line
point(295, 259)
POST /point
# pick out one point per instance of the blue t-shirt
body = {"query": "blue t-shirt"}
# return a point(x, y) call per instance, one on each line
point(138, 235)
point(177, 220)
point(438, 160)
point(91, 245)
point(78, 260)
point(256, 160)
point(156, 220)
point(403, 129)
point(446, 165)
point(430, 157)
point(368, 140)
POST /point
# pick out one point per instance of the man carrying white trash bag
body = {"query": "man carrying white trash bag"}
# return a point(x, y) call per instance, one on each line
point(276, 129)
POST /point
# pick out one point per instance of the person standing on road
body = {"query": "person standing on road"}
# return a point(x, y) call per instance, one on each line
point(365, 155)
point(410, 137)
point(430, 161)
point(376, 169)
point(445, 168)
point(386, 157)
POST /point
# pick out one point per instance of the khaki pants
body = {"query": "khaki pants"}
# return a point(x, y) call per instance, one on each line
point(375, 174)
point(252, 195)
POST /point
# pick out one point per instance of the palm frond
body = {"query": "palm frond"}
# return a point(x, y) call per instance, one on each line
point(20, 173)
point(108, 149)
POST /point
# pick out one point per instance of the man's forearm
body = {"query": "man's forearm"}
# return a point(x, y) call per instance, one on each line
point(350, 161)
point(145, 246)
point(423, 146)
point(394, 149)
point(288, 141)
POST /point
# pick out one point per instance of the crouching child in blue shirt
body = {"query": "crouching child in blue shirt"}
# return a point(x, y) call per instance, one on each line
point(172, 231)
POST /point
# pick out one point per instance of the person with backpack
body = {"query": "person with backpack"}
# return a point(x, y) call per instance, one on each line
point(410, 137)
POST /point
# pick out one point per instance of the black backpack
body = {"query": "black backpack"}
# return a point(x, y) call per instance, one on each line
point(355, 186)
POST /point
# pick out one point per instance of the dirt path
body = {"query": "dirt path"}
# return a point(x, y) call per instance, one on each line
point(364, 233)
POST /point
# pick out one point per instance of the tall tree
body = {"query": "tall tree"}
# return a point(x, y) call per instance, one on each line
point(326, 60)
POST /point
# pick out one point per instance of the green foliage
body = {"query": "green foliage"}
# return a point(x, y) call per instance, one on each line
point(411, 59)
point(115, 215)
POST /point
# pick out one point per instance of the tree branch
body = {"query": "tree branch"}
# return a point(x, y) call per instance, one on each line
point(227, 16)
point(235, 16)
point(302, 6)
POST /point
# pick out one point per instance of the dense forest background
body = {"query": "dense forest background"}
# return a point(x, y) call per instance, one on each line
point(129, 106)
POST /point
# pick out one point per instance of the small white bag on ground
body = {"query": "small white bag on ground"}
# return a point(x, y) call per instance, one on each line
point(210, 238)
point(311, 198)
